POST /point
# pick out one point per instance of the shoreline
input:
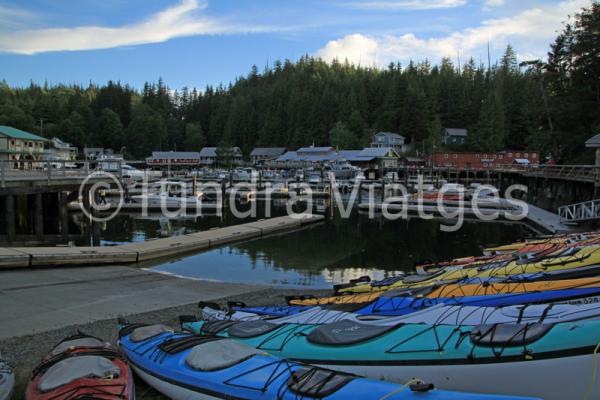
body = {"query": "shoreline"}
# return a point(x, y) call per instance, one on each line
point(24, 352)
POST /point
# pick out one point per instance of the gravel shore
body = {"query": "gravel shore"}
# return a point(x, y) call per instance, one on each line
point(25, 352)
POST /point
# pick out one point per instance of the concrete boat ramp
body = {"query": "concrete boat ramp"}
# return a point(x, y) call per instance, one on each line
point(24, 257)
point(58, 297)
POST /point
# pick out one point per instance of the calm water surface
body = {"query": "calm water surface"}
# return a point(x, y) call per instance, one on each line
point(333, 252)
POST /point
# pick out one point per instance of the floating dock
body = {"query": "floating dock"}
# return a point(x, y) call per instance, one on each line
point(539, 217)
point(24, 257)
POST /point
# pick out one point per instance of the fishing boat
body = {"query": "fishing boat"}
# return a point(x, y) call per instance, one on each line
point(184, 366)
point(550, 361)
point(82, 367)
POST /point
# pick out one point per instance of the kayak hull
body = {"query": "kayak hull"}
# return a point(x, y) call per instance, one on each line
point(553, 379)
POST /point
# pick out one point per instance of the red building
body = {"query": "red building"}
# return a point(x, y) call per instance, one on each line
point(483, 160)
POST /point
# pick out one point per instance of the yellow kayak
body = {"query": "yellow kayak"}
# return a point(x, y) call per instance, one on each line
point(458, 290)
point(580, 238)
point(574, 258)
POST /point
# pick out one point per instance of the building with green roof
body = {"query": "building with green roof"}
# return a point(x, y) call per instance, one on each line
point(18, 146)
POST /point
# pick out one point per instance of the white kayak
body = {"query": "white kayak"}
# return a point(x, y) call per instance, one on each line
point(436, 315)
point(7, 381)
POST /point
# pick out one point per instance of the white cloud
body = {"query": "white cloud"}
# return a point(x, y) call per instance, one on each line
point(530, 32)
point(14, 18)
point(494, 3)
point(180, 20)
point(408, 4)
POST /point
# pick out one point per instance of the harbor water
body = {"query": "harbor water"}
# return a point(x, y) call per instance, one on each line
point(333, 252)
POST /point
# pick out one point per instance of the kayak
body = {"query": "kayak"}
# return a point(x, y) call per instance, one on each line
point(7, 381)
point(402, 305)
point(570, 261)
point(581, 238)
point(440, 314)
point(529, 252)
point(82, 367)
point(486, 288)
point(551, 361)
point(184, 366)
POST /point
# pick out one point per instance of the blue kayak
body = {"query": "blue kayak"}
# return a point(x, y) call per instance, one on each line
point(184, 366)
point(402, 305)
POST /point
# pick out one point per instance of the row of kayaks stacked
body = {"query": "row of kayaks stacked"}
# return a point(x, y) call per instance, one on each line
point(183, 365)
point(521, 320)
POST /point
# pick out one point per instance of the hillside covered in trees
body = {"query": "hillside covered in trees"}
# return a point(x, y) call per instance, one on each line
point(549, 105)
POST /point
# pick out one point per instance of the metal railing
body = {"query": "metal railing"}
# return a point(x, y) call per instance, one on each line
point(584, 211)
point(585, 173)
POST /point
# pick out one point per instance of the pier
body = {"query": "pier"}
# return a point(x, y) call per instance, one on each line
point(23, 257)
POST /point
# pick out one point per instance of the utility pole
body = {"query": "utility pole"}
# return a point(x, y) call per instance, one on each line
point(42, 127)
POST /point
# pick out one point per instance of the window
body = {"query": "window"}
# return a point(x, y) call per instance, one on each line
point(533, 155)
point(455, 155)
point(518, 155)
point(526, 155)
point(500, 156)
point(509, 155)
point(445, 155)
point(477, 155)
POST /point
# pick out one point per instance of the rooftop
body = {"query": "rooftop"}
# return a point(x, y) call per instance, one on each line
point(19, 134)
point(390, 134)
point(212, 151)
point(315, 149)
point(268, 151)
point(164, 155)
point(594, 141)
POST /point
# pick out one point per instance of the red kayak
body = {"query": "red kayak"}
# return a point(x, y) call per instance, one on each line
point(82, 367)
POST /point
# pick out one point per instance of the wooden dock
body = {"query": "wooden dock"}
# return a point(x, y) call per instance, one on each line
point(24, 257)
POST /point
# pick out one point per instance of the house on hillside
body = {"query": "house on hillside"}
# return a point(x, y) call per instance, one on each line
point(456, 136)
point(221, 155)
point(390, 140)
point(262, 154)
point(18, 146)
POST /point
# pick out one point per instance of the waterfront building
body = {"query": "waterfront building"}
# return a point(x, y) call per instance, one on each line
point(264, 154)
point(454, 136)
point(173, 158)
point(221, 155)
point(60, 150)
point(482, 160)
point(95, 153)
point(20, 146)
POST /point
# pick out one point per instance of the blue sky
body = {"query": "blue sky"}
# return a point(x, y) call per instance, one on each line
point(198, 42)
